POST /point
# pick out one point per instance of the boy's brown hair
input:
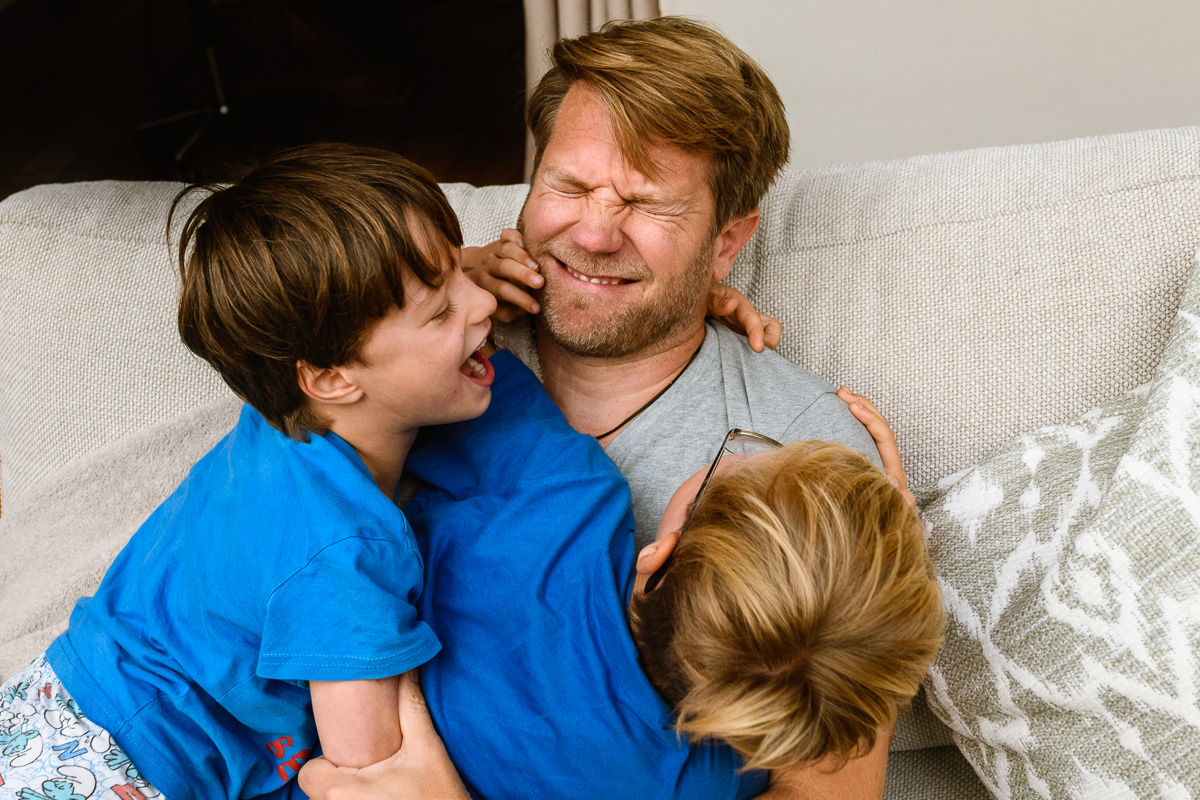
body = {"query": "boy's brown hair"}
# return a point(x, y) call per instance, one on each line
point(298, 259)
point(801, 611)
point(676, 81)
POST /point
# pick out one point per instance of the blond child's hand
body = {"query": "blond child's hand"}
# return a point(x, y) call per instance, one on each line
point(885, 439)
point(508, 272)
point(735, 311)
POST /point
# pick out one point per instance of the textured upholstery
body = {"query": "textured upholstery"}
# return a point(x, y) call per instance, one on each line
point(88, 346)
point(978, 295)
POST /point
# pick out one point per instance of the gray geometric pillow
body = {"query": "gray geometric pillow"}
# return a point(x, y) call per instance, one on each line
point(1070, 564)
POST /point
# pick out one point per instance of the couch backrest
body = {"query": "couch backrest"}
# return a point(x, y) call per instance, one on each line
point(979, 295)
point(88, 345)
point(972, 295)
point(976, 295)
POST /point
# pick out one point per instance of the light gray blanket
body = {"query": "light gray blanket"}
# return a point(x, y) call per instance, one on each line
point(59, 538)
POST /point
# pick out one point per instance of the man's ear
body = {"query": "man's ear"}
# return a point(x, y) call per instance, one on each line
point(334, 385)
point(730, 241)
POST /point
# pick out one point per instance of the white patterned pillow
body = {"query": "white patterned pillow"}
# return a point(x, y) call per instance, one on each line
point(1070, 563)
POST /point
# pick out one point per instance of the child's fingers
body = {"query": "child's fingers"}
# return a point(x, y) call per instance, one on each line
point(511, 245)
point(772, 331)
point(507, 313)
point(507, 251)
point(512, 270)
point(736, 311)
point(751, 322)
point(721, 299)
point(866, 413)
point(885, 438)
point(508, 293)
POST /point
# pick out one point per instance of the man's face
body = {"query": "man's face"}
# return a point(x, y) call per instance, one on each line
point(626, 259)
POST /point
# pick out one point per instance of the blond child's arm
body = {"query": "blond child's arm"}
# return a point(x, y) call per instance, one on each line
point(357, 720)
point(859, 779)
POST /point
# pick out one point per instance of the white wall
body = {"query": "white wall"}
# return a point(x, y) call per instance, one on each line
point(868, 79)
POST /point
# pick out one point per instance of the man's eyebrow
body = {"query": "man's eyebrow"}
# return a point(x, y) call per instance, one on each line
point(652, 199)
point(565, 177)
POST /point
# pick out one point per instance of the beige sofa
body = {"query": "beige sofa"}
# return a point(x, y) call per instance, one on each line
point(975, 296)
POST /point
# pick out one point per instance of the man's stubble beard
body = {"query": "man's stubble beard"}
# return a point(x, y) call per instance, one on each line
point(628, 329)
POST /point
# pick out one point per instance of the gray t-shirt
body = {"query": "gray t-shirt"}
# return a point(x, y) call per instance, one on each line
point(728, 385)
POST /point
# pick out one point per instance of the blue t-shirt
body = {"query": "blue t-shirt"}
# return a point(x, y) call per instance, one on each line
point(274, 563)
point(526, 530)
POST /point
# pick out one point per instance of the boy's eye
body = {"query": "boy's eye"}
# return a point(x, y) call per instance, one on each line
point(445, 313)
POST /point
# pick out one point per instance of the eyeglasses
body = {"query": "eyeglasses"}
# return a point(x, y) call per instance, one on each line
point(738, 442)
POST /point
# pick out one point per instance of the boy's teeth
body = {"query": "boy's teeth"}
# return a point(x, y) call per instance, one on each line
point(480, 369)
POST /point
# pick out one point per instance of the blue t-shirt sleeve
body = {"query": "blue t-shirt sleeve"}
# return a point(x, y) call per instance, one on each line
point(349, 614)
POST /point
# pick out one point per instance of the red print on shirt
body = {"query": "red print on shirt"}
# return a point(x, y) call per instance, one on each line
point(278, 749)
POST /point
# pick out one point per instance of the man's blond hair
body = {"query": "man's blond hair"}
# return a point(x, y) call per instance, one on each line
point(672, 80)
point(801, 611)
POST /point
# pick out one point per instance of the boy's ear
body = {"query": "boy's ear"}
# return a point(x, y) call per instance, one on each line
point(327, 384)
point(655, 554)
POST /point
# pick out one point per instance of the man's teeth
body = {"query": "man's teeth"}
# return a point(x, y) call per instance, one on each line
point(601, 281)
point(480, 369)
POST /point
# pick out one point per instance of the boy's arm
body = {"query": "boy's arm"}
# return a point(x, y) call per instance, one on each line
point(357, 720)
point(420, 770)
point(860, 779)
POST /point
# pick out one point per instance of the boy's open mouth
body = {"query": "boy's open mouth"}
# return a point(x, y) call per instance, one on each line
point(478, 369)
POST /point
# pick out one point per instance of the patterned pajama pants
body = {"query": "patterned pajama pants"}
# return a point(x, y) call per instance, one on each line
point(50, 751)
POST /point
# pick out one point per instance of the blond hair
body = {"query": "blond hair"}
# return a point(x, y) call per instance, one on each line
point(676, 81)
point(297, 261)
point(801, 612)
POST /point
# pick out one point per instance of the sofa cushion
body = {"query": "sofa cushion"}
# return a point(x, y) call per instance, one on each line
point(1070, 563)
point(89, 350)
point(978, 295)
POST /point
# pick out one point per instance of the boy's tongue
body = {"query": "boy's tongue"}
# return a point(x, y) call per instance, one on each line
point(478, 368)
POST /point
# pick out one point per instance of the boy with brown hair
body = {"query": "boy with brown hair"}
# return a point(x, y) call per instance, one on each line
point(273, 596)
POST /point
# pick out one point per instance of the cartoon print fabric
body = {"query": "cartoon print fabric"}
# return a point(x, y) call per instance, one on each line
point(50, 751)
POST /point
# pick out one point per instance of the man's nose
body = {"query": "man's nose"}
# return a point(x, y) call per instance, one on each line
point(599, 227)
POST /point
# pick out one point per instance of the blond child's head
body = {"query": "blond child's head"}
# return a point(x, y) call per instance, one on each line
point(800, 612)
point(298, 261)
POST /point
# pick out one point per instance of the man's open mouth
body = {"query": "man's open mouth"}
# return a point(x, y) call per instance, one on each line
point(601, 280)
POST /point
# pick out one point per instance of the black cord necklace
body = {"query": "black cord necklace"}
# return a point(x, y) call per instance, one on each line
point(650, 402)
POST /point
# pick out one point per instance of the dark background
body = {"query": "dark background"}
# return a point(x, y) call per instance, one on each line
point(441, 82)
